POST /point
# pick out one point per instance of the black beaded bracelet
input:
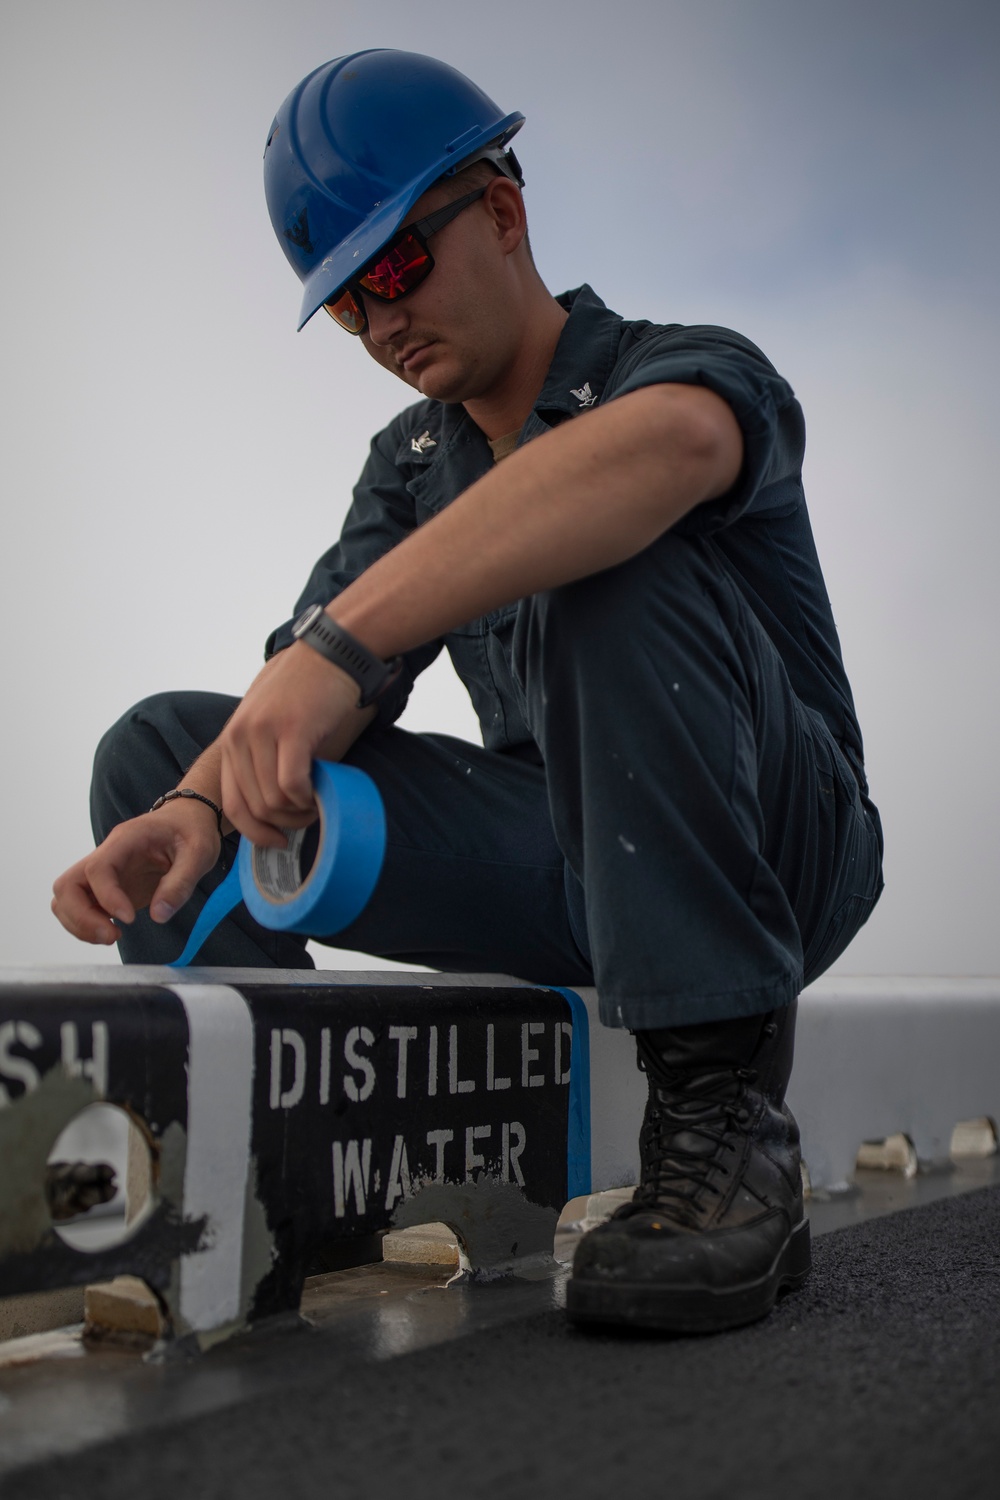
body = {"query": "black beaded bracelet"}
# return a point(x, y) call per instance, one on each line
point(186, 791)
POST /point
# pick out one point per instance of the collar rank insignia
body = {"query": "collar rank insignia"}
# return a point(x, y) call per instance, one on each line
point(584, 395)
point(423, 442)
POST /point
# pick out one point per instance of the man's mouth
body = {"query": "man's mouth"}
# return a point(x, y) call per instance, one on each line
point(410, 358)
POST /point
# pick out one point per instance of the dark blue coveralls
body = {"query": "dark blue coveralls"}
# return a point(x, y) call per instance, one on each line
point(670, 801)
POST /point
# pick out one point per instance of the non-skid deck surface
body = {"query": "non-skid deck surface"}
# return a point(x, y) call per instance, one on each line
point(880, 1379)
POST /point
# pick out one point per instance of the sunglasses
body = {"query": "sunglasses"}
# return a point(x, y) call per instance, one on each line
point(398, 268)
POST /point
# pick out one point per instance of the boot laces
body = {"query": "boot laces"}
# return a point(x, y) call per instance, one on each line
point(688, 1126)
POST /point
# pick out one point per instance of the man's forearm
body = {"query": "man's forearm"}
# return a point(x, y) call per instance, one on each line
point(205, 776)
point(579, 500)
point(584, 497)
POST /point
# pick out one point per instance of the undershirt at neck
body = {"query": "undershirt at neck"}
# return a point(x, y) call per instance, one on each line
point(504, 446)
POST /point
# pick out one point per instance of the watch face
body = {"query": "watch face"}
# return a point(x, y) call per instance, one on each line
point(305, 619)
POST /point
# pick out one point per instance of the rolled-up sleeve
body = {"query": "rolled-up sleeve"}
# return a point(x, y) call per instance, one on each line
point(764, 405)
point(380, 516)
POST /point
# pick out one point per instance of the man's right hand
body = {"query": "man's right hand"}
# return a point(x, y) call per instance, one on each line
point(155, 860)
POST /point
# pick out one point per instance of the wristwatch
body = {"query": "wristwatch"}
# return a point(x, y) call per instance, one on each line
point(370, 672)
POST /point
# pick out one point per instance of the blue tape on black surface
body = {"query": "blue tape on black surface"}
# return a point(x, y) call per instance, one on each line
point(350, 848)
point(578, 1171)
point(224, 899)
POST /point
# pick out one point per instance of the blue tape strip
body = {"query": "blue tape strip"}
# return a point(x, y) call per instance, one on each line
point(345, 872)
point(224, 899)
point(578, 1170)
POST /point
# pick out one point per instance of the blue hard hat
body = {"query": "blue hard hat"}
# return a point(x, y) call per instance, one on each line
point(355, 145)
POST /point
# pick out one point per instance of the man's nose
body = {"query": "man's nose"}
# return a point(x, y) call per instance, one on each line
point(386, 320)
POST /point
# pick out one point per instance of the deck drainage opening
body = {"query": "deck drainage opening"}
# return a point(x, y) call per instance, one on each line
point(98, 1179)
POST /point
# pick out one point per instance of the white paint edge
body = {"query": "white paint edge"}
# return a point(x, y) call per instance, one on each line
point(220, 1084)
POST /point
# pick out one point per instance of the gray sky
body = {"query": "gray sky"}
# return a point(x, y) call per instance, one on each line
point(819, 176)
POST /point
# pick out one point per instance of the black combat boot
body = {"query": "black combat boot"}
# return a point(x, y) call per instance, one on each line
point(717, 1227)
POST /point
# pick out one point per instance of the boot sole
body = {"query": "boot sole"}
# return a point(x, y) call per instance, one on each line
point(669, 1309)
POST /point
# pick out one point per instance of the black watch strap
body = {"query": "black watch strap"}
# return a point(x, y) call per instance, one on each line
point(370, 672)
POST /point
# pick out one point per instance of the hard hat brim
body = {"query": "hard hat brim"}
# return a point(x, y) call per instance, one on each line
point(347, 258)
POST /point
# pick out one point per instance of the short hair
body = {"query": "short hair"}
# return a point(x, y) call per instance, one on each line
point(478, 174)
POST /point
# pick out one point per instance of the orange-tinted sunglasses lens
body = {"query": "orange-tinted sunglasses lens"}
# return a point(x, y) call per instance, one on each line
point(347, 311)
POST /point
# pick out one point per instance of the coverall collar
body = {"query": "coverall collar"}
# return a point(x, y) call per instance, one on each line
point(584, 359)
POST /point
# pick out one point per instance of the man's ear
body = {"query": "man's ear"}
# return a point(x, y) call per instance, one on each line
point(505, 204)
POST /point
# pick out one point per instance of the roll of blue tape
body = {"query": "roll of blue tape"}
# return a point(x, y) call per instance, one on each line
point(347, 863)
point(325, 898)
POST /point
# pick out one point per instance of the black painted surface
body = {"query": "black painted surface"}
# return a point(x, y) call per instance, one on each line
point(146, 1069)
point(358, 1094)
point(132, 1044)
point(880, 1380)
point(364, 1093)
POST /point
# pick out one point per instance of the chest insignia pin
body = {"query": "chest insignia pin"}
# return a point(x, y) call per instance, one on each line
point(423, 442)
point(584, 395)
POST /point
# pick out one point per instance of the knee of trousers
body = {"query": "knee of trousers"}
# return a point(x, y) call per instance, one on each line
point(145, 751)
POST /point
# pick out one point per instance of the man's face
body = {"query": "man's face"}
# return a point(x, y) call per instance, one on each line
point(455, 336)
